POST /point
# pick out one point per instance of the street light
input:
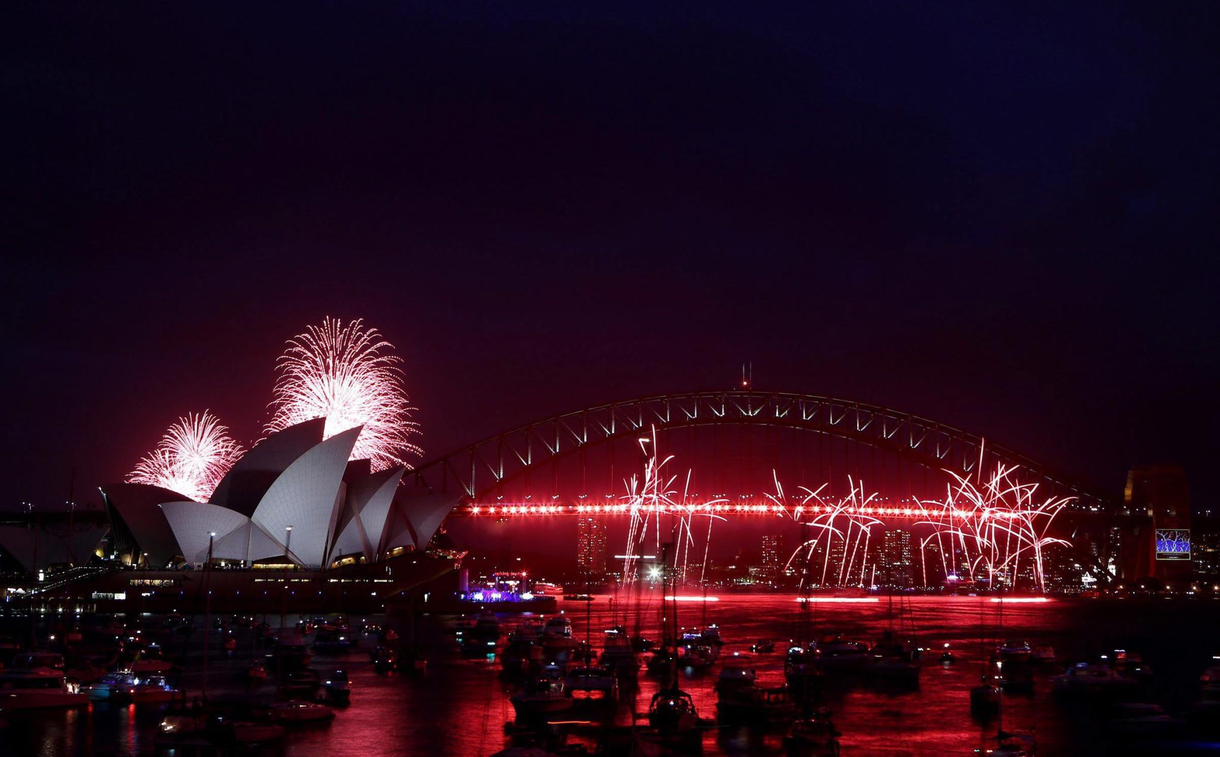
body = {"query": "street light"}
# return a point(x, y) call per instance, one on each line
point(288, 542)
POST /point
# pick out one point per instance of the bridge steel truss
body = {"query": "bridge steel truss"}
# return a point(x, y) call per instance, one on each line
point(474, 472)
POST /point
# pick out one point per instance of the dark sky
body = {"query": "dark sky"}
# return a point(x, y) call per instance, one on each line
point(999, 216)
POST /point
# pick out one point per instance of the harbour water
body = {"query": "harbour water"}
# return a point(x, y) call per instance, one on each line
point(460, 707)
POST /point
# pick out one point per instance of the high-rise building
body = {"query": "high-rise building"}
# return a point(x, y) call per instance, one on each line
point(897, 563)
point(591, 544)
point(773, 552)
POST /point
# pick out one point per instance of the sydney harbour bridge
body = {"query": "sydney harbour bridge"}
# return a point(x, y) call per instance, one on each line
point(743, 453)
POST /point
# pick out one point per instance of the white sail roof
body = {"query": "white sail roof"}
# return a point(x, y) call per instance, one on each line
point(304, 498)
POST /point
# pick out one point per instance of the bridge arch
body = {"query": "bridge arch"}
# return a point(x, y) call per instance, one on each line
point(474, 472)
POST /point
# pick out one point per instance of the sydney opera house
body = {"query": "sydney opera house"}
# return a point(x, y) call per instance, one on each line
point(294, 498)
point(291, 510)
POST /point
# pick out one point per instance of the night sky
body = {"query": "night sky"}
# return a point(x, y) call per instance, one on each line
point(999, 216)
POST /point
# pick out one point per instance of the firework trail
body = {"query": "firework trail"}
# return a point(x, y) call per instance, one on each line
point(192, 457)
point(654, 495)
point(842, 520)
point(344, 373)
point(995, 525)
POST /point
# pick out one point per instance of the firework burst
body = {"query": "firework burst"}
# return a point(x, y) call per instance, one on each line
point(654, 495)
point(345, 374)
point(192, 457)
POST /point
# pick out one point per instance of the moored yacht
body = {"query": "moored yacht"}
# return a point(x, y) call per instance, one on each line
point(1093, 679)
point(296, 711)
point(35, 688)
point(985, 699)
point(558, 633)
point(113, 686)
point(620, 657)
point(813, 736)
point(1142, 719)
point(801, 670)
point(673, 710)
point(1012, 744)
point(837, 654)
point(547, 696)
point(593, 685)
point(756, 706)
point(697, 656)
point(1015, 650)
point(153, 689)
point(892, 659)
point(733, 678)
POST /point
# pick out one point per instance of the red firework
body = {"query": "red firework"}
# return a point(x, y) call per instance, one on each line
point(347, 375)
point(192, 457)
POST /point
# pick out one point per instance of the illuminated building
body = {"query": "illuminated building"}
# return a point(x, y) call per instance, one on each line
point(295, 497)
point(773, 552)
point(897, 566)
point(1158, 543)
point(591, 545)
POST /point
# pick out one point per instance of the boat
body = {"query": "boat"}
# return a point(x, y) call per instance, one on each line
point(892, 659)
point(257, 671)
point(297, 683)
point(706, 635)
point(384, 659)
point(1204, 716)
point(812, 736)
point(733, 678)
point(1042, 654)
point(1011, 744)
point(153, 689)
point(1141, 719)
point(620, 657)
point(985, 699)
point(546, 697)
point(592, 685)
point(801, 670)
point(558, 633)
point(547, 589)
point(247, 732)
point(477, 646)
point(697, 656)
point(84, 671)
point(1210, 679)
point(756, 706)
point(763, 646)
point(336, 687)
point(180, 720)
point(529, 629)
point(662, 662)
point(151, 659)
point(672, 710)
point(836, 654)
point(37, 688)
point(518, 654)
point(1014, 677)
point(1015, 650)
point(292, 653)
point(1130, 664)
point(1096, 679)
point(486, 626)
point(112, 686)
point(38, 660)
point(297, 711)
point(330, 640)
